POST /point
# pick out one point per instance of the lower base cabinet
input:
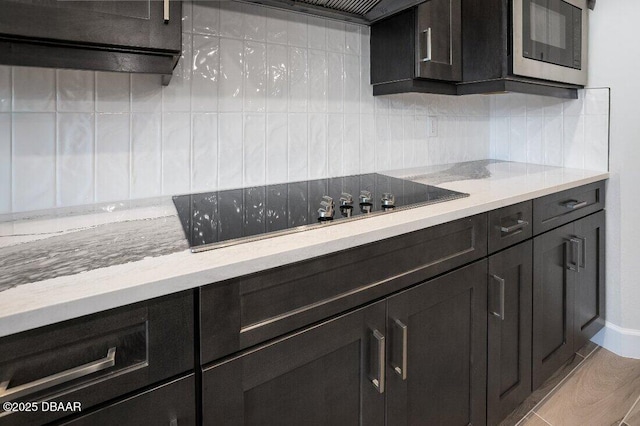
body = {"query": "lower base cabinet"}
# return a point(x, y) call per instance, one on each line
point(418, 357)
point(509, 331)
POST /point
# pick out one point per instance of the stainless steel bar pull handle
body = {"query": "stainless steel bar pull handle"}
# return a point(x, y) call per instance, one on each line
point(399, 349)
point(519, 225)
point(378, 359)
point(427, 33)
point(574, 204)
point(502, 283)
point(572, 263)
point(6, 393)
point(166, 11)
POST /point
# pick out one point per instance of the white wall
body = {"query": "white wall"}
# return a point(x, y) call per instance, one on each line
point(614, 62)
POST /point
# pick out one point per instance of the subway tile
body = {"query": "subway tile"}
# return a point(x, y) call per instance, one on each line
point(5, 88)
point(298, 147)
point(397, 104)
point(500, 136)
point(230, 158)
point(317, 81)
point(33, 161)
point(335, 82)
point(351, 84)
point(351, 144)
point(112, 157)
point(176, 97)
point(317, 146)
point(146, 93)
point(382, 143)
point(335, 139)
point(366, 89)
point(367, 143)
point(255, 76)
point(204, 175)
point(316, 33)
point(365, 40)
point(206, 17)
point(553, 107)
point(113, 92)
point(396, 137)
point(254, 149)
point(552, 141)
point(336, 37)
point(176, 152)
point(352, 39)
point(535, 105)
point(146, 155)
point(5, 163)
point(408, 141)
point(187, 16)
point(230, 88)
point(277, 148)
point(574, 107)
point(34, 89)
point(277, 78)
point(298, 79)
point(535, 126)
point(297, 30)
point(573, 142)
point(76, 91)
point(205, 73)
point(596, 102)
point(596, 139)
point(231, 19)
point(381, 105)
point(254, 25)
point(75, 159)
point(277, 26)
point(518, 139)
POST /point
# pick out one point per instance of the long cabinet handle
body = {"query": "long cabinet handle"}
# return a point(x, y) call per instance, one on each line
point(399, 348)
point(502, 283)
point(519, 225)
point(571, 263)
point(166, 11)
point(583, 252)
point(574, 204)
point(7, 394)
point(427, 33)
point(378, 377)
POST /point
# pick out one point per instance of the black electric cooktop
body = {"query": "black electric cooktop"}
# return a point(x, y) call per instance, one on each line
point(216, 219)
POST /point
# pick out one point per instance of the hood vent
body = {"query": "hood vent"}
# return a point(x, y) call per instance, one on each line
point(358, 11)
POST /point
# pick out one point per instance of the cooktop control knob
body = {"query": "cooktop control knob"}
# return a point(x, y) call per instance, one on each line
point(346, 200)
point(327, 206)
point(388, 200)
point(365, 197)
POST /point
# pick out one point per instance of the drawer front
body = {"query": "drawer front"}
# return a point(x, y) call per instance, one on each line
point(172, 404)
point(249, 310)
point(563, 207)
point(510, 225)
point(96, 358)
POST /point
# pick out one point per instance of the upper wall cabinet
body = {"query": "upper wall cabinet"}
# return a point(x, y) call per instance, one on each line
point(418, 50)
point(132, 36)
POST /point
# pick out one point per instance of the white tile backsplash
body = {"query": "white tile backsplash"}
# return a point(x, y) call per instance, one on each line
point(260, 95)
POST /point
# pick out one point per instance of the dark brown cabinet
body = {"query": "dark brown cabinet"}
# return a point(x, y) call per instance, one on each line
point(568, 292)
point(131, 36)
point(509, 330)
point(436, 365)
point(418, 50)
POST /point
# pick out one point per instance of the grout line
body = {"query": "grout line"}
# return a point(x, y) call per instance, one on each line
point(630, 410)
point(542, 418)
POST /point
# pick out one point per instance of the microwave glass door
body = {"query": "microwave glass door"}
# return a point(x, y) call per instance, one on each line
point(552, 32)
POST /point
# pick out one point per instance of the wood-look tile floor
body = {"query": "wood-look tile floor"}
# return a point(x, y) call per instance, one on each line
point(602, 390)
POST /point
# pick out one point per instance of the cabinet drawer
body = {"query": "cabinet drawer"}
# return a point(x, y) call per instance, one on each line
point(96, 358)
point(510, 225)
point(243, 312)
point(172, 404)
point(563, 207)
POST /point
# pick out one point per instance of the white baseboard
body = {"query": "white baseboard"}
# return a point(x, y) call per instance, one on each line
point(622, 341)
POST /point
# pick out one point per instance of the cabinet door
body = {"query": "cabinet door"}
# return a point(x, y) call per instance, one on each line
point(439, 40)
point(590, 279)
point(330, 374)
point(436, 364)
point(553, 301)
point(136, 24)
point(509, 330)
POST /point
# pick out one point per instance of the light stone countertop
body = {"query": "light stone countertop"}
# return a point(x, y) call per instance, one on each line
point(60, 265)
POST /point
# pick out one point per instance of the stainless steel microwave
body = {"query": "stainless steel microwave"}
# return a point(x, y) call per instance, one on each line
point(550, 40)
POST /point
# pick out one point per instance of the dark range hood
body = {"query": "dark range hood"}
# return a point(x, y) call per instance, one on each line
point(357, 11)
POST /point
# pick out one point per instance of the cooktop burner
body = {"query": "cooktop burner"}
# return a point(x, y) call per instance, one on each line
point(217, 219)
